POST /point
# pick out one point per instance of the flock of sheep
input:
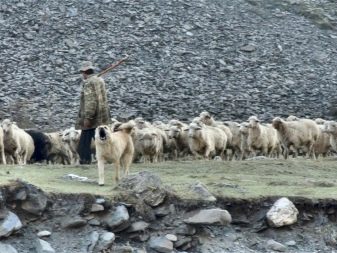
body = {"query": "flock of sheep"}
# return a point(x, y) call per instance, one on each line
point(203, 137)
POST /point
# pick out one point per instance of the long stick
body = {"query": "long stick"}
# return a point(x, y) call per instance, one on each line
point(112, 66)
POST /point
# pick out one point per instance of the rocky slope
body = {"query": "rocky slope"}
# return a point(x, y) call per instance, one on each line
point(232, 58)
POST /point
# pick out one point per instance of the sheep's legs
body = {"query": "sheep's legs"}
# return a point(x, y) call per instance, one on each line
point(3, 155)
point(100, 165)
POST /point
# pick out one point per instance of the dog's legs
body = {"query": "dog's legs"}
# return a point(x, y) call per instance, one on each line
point(100, 164)
point(126, 161)
point(117, 166)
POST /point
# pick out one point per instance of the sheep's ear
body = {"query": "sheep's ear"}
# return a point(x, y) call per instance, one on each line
point(186, 129)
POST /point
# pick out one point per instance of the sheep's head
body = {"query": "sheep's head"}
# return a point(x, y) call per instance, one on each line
point(253, 121)
point(174, 132)
point(320, 121)
point(66, 135)
point(244, 127)
point(292, 118)
point(102, 133)
point(206, 118)
point(6, 124)
point(194, 130)
point(330, 127)
point(277, 123)
point(140, 123)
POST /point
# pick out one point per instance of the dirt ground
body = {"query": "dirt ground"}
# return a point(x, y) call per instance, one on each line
point(247, 189)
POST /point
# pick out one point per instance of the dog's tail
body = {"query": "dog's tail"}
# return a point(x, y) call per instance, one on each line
point(126, 127)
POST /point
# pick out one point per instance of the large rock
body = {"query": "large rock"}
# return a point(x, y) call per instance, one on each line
point(161, 244)
point(7, 248)
point(36, 203)
point(145, 186)
point(282, 213)
point(43, 247)
point(118, 219)
point(10, 224)
point(105, 241)
point(210, 217)
point(202, 192)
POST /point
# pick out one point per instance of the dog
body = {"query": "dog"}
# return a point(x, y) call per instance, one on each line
point(114, 146)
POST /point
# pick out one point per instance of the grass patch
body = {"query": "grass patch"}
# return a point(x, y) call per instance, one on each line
point(237, 179)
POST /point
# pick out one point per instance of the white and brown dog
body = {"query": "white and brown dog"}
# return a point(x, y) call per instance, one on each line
point(114, 146)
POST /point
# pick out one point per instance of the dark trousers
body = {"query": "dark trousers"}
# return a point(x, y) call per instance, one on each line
point(84, 146)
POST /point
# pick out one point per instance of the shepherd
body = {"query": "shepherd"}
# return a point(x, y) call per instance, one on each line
point(94, 108)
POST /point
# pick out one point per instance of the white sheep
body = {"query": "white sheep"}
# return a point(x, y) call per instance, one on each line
point(244, 149)
point(235, 144)
point(262, 138)
point(2, 147)
point(330, 127)
point(148, 142)
point(58, 152)
point(19, 145)
point(322, 146)
point(206, 140)
point(71, 138)
point(208, 120)
point(179, 133)
point(296, 135)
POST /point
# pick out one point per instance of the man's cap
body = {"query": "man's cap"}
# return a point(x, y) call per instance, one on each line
point(86, 65)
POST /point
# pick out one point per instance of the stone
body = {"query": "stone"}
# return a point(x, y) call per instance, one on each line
point(172, 238)
point(248, 48)
point(43, 247)
point(185, 229)
point(105, 241)
point(43, 233)
point(7, 248)
point(145, 185)
point(74, 222)
point(93, 240)
point(161, 244)
point(215, 216)
point(9, 224)
point(118, 218)
point(96, 208)
point(276, 246)
point(202, 192)
point(138, 226)
point(282, 213)
point(36, 202)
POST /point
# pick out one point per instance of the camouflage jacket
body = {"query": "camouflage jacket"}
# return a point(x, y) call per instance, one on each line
point(94, 103)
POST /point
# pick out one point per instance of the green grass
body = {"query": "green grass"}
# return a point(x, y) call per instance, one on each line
point(237, 179)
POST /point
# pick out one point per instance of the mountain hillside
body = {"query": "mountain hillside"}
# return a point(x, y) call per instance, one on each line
point(232, 58)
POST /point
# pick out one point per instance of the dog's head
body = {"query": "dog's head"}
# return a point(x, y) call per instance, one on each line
point(102, 133)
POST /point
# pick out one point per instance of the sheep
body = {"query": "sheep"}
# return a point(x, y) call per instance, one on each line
point(170, 148)
point(148, 142)
point(57, 151)
point(292, 118)
point(141, 123)
point(179, 134)
point(42, 145)
point(2, 147)
point(19, 145)
point(71, 139)
point(302, 133)
point(261, 137)
point(244, 150)
point(206, 140)
point(322, 146)
point(208, 120)
point(116, 147)
point(320, 121)
point(236, 138)
point(330, 127)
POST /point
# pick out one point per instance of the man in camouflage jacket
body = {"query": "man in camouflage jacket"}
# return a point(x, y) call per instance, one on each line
point(94, 109)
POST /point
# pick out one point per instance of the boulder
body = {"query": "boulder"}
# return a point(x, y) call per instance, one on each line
point(276, 246)
point(202, 192)
point(7, 248)
point(282, 213)
point(215, 216)
point(74, 222)
point(161, 244)
point(43, 247)
point(105, 241)
point(9, 224)
point(118, 219)
point(43, 233)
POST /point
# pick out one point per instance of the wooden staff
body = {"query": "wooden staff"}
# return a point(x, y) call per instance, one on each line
point(112, 66)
